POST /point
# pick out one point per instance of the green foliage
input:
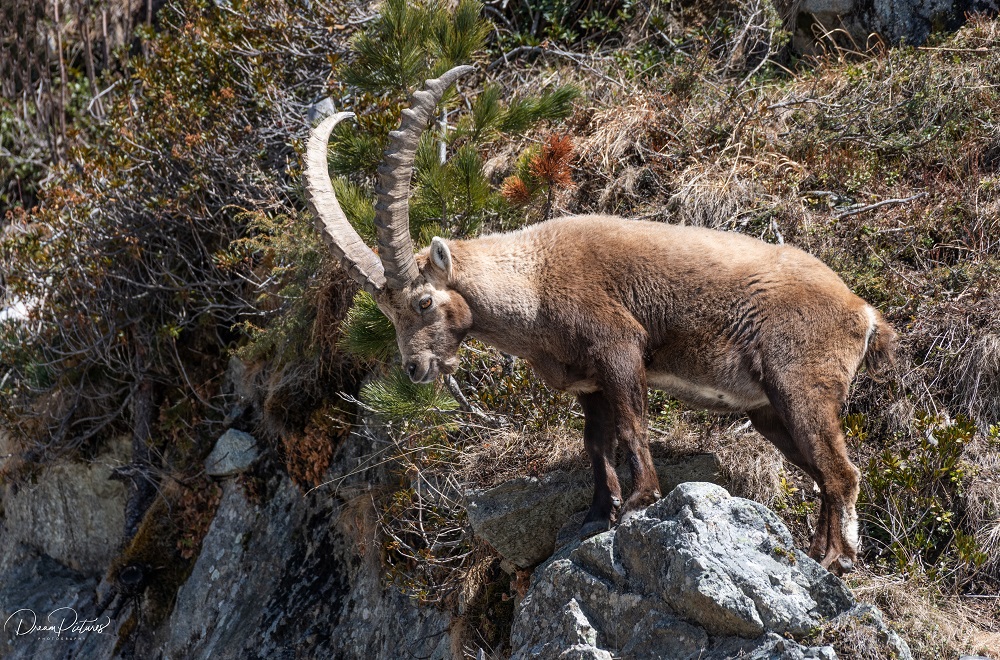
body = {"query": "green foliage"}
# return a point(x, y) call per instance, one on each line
point(913, 499)
point(353, 150)
point(396, 397)
point(358, 205)
point(291, 248)
point(525, 112)
point(452, 197)
point(21, 166)
point(410, 42)
point(366, 332)
point(138, 257)
point(568, 22)
point(491, 117)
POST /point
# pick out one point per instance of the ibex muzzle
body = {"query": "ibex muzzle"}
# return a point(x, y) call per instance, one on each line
point(605, 307)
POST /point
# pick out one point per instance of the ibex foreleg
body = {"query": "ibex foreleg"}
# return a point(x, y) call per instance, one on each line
point(622, 377)
point(599, 439)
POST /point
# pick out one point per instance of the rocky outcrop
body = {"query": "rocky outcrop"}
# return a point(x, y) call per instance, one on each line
point(851, 22)
point(277, 577)
point(72, 512)
point(281, 580)
point(57, 537)
point(699, 574)
point(521, 518)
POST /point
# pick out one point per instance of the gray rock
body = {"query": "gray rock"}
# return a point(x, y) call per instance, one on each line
point(56, 538)
point(320, 109)
point(895, 21)
point(38, 589)
point(699, 574)
point(233, 453)
point(769, 647)
point(521, 518)
point(281, 579)
point(729, 564)
point(72, 512)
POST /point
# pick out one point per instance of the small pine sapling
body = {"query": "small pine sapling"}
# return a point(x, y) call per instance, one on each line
point(542, 171)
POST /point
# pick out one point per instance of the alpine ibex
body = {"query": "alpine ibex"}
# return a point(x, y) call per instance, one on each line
point(605, 307)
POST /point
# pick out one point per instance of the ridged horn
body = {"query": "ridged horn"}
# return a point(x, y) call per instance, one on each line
point(392, 210)
point(360, 262)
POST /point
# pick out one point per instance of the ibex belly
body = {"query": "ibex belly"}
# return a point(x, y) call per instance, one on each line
point(738, 397)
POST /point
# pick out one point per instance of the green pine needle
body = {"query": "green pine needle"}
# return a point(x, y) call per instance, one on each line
point(396, 397)
point(359, 207)
point(366, 332)
point(471, 191)
point(455, 37)
point(353, 151)
point(391, 54)
point(487, 112)
point(552, 105)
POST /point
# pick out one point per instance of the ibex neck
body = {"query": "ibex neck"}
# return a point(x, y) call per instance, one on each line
point(498, 277)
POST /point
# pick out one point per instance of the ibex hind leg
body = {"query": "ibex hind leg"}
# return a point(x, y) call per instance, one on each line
point(813, 426)
point(599, 439)
point(769, 424)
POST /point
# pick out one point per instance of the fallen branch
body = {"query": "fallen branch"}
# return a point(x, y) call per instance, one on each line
point(871, 207)
point(981, 49)
point(514, 54)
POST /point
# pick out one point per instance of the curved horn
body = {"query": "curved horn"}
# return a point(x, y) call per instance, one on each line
point(358, 260)
point(392, 210)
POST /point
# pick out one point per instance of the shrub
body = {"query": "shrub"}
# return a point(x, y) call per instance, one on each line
point(913, 505)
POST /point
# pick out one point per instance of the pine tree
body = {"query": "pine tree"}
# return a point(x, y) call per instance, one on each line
point(452, 195)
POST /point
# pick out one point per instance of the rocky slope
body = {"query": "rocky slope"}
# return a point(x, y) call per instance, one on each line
point(699, 574)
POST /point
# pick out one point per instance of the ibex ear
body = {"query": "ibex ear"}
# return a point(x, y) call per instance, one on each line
point(441, 256)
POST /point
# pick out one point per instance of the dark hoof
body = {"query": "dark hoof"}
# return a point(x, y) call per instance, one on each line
point(593, 528)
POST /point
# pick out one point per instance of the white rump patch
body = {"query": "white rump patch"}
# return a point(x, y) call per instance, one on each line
point(872, 324)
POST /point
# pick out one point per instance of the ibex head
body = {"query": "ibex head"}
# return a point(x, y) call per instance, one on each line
point(431, 319)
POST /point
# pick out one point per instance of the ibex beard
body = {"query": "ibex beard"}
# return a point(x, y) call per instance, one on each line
point(605, 307)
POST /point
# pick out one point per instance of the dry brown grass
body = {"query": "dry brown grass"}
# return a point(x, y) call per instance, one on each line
point(506, 453)
point(934, 625)
point(751, 466)
point(358, 520)
point(982, 501)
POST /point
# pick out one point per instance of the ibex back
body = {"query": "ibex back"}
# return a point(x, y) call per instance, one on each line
point(605, 307)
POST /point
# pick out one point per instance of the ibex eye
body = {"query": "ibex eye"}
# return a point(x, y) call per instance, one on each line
point(425, 302)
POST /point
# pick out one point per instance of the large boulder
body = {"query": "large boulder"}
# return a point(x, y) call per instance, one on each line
point(699, 574)
point(521, 518)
